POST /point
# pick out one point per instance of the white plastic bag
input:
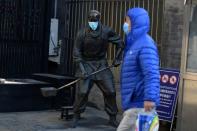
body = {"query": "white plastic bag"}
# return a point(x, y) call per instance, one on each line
point(147, 121)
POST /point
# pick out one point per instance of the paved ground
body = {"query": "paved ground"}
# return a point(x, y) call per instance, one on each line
point(92, 120)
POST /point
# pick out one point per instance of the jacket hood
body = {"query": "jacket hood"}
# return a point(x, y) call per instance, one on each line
point(140, 22)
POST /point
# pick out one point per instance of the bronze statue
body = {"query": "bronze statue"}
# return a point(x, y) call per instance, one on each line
point(89, 55)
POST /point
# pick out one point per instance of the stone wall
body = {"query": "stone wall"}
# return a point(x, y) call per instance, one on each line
point(172, 34)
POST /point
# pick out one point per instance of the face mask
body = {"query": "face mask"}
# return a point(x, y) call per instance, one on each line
point(93, 25)
point(126, 28)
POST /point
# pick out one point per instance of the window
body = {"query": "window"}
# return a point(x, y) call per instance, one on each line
point(192, 45)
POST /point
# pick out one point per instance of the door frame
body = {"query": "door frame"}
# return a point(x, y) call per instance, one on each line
point(184, 74)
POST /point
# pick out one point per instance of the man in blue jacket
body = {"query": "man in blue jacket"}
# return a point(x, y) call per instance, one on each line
point(140, 82)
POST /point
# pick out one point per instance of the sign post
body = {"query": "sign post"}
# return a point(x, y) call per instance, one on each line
point(169, 83)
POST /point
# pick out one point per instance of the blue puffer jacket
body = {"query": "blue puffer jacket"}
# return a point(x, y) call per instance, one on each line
point(140, 70)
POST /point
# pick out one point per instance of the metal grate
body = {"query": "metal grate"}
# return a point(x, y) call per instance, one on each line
point(113, 13)
point(23, 31)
